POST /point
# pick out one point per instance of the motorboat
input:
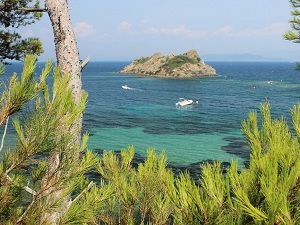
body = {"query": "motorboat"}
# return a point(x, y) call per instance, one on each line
point(184, 102)
point(125, 87)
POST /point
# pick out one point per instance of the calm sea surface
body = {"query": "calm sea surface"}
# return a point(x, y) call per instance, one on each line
point(145, 116)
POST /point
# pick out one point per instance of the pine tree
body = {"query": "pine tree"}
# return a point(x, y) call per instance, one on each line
point(68, 60)
point(13, 14)
point(294, 33)
point(26, 178)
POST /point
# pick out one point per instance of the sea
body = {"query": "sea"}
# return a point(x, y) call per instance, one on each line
point(145, 116)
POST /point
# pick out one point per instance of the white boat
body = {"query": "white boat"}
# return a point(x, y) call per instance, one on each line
point(184, 102)
point(125, 87)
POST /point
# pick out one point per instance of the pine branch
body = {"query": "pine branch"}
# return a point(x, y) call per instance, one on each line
point(85, 62)
point(26, 211)
point(33, 9)
point(91, 184)
point(26, 188)
point(4, 134)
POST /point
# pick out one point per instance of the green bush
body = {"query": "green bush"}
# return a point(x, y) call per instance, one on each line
point(265, 193)
point(179, 60)
point(141, 60)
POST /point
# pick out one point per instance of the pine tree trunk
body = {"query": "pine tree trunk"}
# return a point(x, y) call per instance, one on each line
point(65, 43)
point(69, 62)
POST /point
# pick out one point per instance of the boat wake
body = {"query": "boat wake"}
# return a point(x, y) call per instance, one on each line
point(126, 87)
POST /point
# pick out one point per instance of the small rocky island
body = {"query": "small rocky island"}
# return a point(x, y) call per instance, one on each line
point(184, 65)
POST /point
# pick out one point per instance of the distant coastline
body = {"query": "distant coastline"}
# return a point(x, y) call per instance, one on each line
point(243, 58)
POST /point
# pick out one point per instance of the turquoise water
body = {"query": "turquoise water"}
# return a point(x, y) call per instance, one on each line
point(146, 116)
point(182, 149)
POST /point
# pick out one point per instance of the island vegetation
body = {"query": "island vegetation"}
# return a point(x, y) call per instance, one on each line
point(141, 60)
point(179, 60)
point(36, 190)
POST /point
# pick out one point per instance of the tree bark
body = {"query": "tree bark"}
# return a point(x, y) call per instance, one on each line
point(68, 60)
point(67, 53)
point(65, 44)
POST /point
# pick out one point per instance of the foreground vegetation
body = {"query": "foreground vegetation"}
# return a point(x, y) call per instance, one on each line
point(265, 193)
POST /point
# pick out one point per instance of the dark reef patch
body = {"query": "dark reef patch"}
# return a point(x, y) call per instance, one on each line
point(239, 147)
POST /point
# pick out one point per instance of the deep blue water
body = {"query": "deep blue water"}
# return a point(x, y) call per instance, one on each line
point(146, 116)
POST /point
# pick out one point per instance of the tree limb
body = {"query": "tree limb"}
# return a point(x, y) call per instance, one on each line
point(4, 134)
point(85, 62)
point(26, 211)
point(26, 188)
point(33, 9)
point(91, 184)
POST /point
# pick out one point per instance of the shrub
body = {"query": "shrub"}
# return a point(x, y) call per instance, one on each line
point(179, 60)
point(141, 60)
point(265, 193)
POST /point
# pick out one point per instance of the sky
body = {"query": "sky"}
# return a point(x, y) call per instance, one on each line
point(123, 30)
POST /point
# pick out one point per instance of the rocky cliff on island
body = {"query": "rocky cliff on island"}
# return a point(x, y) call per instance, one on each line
point(184, 65)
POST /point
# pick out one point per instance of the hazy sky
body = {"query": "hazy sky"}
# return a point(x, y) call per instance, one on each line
point(127, 29)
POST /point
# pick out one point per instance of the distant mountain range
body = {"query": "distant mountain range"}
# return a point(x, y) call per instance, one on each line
point(239, 57)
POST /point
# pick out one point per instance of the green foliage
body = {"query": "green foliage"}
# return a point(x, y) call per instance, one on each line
point(294, 33)
point(262, 192)
point(12, 14)
point(2, 69)
point(12, 17)
point(204, 204)
point(265, 193)
point(140, 196)
point(141, 60)
point(179, 60)
point(45, 133)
